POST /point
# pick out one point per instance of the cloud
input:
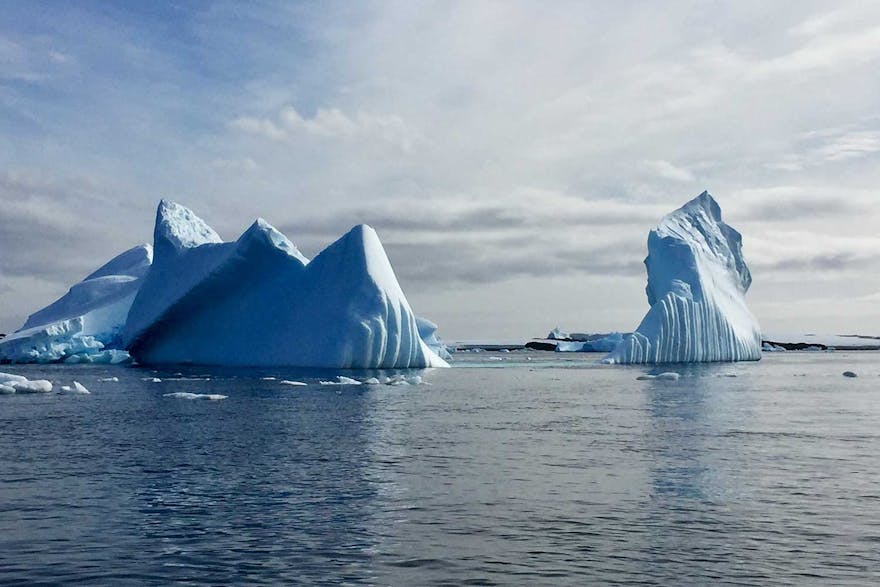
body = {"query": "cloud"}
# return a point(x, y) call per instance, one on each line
point(331, 123)
point(667, 170)
point(851, 145)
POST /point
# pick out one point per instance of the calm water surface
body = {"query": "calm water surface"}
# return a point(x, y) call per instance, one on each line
point(519, 468)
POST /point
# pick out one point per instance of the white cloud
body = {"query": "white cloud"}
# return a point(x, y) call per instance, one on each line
point(667, 170)
point(331, 123)
point(851, 145)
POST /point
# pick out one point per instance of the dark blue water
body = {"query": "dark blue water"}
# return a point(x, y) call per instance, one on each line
point(512, 471)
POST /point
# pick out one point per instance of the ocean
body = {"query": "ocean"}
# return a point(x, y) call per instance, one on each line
point(521, 468)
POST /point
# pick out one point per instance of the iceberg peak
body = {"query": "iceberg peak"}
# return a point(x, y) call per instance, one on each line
point(178, 228)
point(263, 232)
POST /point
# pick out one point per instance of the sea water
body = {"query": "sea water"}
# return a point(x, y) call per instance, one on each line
point(510, 468)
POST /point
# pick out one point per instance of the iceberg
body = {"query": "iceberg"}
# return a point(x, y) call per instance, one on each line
point(594, 343)
point(697, 281)
point(259, 302)
point(88, 319)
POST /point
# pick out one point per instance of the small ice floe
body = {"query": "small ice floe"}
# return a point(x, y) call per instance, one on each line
point(109, 379)
point(18, 384)
point(289, 382)
point(187, 395)
point(849, 374)
point(404, 380)
point(495, 358)
point(372, 381)
point(5, 378)
point(267, 378)
point(77, 389)
point(34, 386)
point(341, 380)
point(151, 379)
point(667, 376)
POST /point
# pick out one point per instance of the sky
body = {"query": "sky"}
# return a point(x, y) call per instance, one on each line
point(511, 155)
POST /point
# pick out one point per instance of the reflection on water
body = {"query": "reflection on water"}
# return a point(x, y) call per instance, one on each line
point(548, 471)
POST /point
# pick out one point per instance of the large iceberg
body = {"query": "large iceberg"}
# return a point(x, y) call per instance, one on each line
point(84, 325)
point(697, 280)
point(258, 301)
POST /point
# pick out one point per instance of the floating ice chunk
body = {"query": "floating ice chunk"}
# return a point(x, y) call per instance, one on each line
point(6, 389)
point(187, 395)
point(151, 379)
point(288, 382)
point(668, 376)
point(341, 380)
point(697, 280)
point(595, 343)
point(371, 381)
point(5, 377)
point(110, 379)
point(35, 386)
point(78, 389)
point(267, 378)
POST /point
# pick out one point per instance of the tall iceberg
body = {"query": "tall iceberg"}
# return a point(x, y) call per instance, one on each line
point(258, 301)
point(697, 281)
point(85, 324)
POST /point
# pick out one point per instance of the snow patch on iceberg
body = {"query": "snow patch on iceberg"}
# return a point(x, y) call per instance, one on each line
point(697, 280)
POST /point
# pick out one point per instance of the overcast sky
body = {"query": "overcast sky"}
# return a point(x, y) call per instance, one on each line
point(511, 155)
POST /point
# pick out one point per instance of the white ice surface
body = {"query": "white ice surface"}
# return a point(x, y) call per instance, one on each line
point(87, 319)
point(188, 395)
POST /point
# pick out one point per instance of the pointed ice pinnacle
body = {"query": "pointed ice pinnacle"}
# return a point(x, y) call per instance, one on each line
point(697, 281)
